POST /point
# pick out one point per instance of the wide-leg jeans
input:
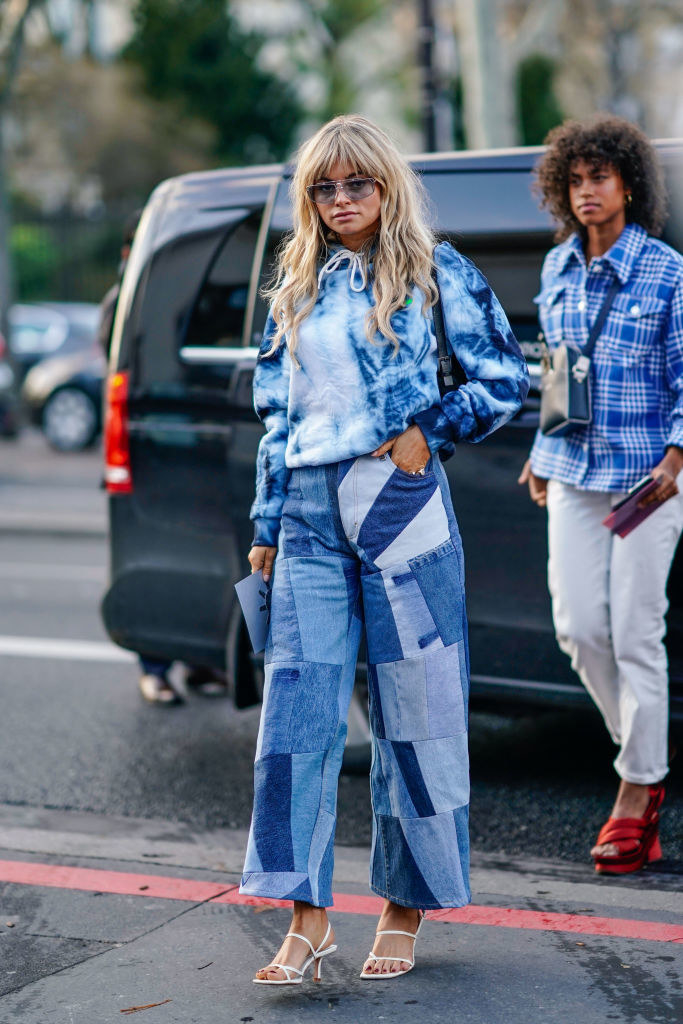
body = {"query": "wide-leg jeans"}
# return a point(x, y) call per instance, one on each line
point(365, 547)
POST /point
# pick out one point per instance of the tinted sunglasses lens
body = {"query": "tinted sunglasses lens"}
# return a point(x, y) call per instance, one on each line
point(359, 188)
point(322, 193)
point(354, 188)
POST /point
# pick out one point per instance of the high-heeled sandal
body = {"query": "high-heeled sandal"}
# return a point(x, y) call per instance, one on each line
point(315, 958)
point(401, 959)
point(636, 839)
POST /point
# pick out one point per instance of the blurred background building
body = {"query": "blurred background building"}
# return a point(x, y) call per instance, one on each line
point(102, 99)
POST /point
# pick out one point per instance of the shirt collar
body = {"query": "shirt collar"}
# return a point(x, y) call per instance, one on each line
point(622, 256)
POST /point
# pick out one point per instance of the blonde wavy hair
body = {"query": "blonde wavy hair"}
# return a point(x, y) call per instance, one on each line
point(402, 247)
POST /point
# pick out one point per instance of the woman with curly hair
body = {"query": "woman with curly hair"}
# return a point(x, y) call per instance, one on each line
point(601, 182)
point(351, 494)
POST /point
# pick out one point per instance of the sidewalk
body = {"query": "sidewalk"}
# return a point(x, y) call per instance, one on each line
point(114, 914)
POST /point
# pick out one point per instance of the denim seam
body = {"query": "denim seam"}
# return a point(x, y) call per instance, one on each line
point(434, 555)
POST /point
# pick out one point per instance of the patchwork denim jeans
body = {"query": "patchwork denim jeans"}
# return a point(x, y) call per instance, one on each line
point(367, 547)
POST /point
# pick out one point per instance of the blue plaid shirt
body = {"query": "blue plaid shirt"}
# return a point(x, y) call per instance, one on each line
point(637, 364)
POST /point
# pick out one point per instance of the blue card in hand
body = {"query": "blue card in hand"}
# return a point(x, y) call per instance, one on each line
point(253, 593)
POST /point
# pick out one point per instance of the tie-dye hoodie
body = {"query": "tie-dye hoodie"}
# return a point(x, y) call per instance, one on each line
point(350, 395)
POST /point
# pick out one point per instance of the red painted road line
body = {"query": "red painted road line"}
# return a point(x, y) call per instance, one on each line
point(197, 891)
point(497, 917)
point(122, 883)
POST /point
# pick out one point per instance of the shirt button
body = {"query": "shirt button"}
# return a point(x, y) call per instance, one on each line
point(635, 310)
point(585, 446)
point(582, 305)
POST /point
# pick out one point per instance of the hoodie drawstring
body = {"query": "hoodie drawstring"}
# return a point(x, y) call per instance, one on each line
point(357, 267)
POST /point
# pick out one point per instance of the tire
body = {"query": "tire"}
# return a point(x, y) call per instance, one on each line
point(70, 421)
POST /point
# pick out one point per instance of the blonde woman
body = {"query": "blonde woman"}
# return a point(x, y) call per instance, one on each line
point(351, 487)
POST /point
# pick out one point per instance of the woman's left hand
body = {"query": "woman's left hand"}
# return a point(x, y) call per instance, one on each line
point(665, 473)
point(409, 450)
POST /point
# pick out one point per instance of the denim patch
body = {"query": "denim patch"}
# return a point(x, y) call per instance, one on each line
point(440, 861)
point(445, 692)
point(284, 624)
point(401, 879)
point(321, 599)
point(403, 694)
point(411, 613)
point(271, 822)
point(444, 771)
point(397, 505)
point(438, 577)
point(307, 783)
point(381, 632)
point(281, 688)
point(278, 885)
point(311, 727)
point(321, 859)
point(407, 794)
point(415, 783)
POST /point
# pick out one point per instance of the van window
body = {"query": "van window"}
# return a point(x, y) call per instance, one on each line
point(280, 225)
point(217, 318)
point(192, 297)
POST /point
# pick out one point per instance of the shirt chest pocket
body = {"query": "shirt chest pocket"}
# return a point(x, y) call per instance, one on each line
point(550, 303)
point(634, 325)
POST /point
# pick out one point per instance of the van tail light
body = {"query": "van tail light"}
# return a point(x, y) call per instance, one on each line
point(117, 475)
point(3, 346)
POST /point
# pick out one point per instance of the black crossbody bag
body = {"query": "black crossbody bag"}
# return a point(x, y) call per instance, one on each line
point(449, 373)
point(566, 380)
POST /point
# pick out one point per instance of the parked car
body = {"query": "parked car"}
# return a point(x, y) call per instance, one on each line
point(181, 434)
point(63, 396)
point(41, 330)
point(9, 404)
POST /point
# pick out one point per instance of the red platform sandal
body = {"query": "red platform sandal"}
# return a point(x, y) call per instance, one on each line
point(637, 839)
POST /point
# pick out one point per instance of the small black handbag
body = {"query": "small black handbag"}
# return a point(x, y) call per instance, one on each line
point(566, 380)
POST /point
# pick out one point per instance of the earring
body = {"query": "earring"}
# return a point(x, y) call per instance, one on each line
point(629, 199)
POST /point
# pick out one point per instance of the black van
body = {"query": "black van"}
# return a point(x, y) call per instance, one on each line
point(181, 434)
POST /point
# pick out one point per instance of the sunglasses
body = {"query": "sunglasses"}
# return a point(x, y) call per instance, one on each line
point(353, 188)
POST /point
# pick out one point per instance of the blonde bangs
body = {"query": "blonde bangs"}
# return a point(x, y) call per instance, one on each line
point(402, 247)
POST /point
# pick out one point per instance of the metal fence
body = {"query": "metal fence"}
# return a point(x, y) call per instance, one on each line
point(65, 257)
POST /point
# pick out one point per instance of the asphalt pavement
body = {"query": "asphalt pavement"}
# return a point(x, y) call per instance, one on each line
point(115, 816)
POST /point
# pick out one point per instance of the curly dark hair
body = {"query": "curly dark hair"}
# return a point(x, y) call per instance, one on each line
point(603, 140)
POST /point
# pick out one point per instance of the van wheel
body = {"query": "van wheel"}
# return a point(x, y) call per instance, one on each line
point(70, 420)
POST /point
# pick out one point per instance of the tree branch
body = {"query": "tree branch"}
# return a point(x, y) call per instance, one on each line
point(14, 47)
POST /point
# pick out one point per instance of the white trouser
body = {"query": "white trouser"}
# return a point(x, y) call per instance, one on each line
point(609, 602)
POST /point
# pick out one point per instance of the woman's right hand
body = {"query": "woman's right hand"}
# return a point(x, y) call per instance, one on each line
point(261, 557)
point(538, 486)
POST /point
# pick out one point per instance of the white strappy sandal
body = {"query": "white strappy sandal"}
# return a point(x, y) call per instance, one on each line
point(316, 958)
point(400, 959)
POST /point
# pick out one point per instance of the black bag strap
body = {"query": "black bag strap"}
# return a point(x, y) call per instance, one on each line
point(587, 351)
point(450, 373)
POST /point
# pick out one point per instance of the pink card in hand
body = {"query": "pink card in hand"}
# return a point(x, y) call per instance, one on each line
point(627, 514)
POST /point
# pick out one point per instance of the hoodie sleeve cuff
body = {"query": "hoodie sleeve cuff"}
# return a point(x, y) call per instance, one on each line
point(435, 427)
point(266, 532)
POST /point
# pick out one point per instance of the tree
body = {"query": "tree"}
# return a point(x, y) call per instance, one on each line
point(334, 23)
point(537, 105)
point(193, 52)
point(13, 19)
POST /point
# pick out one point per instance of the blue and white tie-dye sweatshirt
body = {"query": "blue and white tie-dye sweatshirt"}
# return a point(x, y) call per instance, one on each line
point(350, 395)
